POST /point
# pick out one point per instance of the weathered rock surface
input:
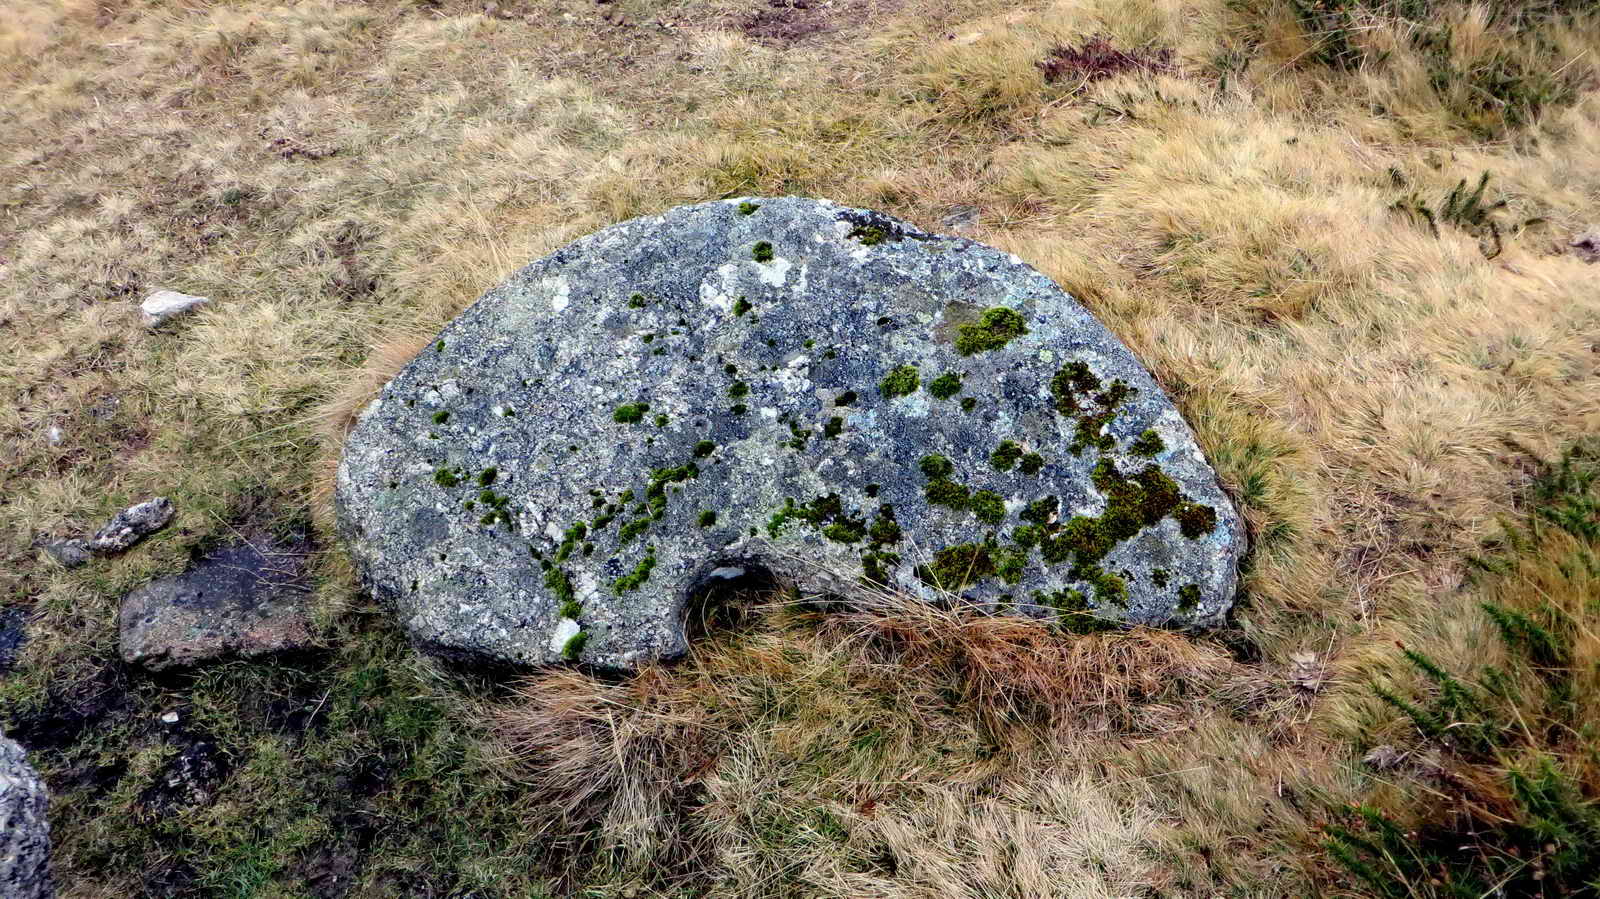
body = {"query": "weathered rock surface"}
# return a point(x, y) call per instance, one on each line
point(132, 525)
point(69, 553)
point(241, 601)
point(162, 306)
point(783, 385)
point(24, 830)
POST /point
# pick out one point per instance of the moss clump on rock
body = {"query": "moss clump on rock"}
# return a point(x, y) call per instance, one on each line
point(945, 386)
point(630, 413)
point(885, 530)
point(957, 566)
point(990, 507)
point(573, 648)
point(998, 326)
point(934, 465)
point(635, 579)
point(1042, 510)
point(762, 251)
point(944, 492)
point(1006, 455)
point(1196, 520)
point(902, 381)
point(559, 585)
point(1148, 443)
point(1073, 612)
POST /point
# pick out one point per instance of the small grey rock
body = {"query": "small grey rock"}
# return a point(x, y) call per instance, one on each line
point(240, 601)
point(53, 435)
point(784, 386)
point(24, 827)
point(132, 525)
point(164, 305)
point(961, 219)
point(70, 553)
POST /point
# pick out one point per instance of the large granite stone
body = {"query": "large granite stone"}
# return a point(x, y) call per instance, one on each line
point(785, 385)
point(24, 829)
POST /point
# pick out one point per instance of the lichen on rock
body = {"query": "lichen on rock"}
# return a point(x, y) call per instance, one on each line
point(816, 438)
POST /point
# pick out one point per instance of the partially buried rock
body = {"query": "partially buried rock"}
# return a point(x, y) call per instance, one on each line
point(162, 306)
point(132, 525)
point(24, 829)
point(241, 601)
point(782, 387)
point(68, 553)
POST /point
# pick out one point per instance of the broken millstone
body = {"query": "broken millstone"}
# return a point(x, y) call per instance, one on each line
point(165, 305)
point(132, 525)
point(776, 387)
point(243, 601)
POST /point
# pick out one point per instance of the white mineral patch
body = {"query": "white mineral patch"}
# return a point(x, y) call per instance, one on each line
point(774, 273)
point(718, 292)
point(560, 293)
point(566, 629)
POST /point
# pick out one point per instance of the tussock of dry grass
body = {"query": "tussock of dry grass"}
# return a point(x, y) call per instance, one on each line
point(876, 732)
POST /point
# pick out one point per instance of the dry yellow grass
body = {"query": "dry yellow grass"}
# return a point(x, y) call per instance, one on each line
point(342, 178)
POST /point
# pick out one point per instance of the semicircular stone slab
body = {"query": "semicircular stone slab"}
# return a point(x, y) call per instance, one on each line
point(786, 384)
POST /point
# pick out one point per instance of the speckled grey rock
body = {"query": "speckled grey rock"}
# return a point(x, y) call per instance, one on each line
point(132, 525)
point(24, 830)
point(511, 496)
point(240, 601)
point(69, 553)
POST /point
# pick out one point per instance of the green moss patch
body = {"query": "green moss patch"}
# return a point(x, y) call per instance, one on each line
point(945, 386)
point(1006, 455)
point(573, 648)
point(762, 251)
point(902, 381)
point(1148, 443)
point(636, 578)
point(957, 566)
point(997, 327)
point(630, 413)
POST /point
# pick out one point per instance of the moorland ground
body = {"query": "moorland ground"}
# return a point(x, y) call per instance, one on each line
point(1337, 231)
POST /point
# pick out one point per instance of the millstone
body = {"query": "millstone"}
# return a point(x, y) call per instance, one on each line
point(783, 386)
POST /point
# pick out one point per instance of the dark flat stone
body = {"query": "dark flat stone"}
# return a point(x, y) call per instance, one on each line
point(241, 601)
